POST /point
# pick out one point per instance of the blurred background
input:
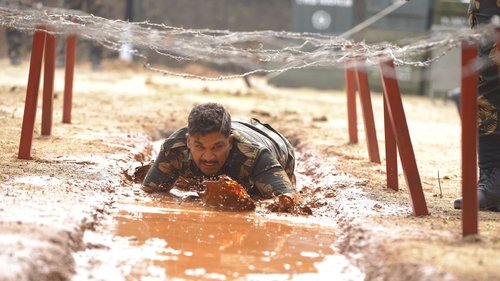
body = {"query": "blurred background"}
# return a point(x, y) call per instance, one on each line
point(410, 21)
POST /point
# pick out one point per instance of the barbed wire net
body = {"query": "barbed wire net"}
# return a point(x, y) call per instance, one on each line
point(246, 53)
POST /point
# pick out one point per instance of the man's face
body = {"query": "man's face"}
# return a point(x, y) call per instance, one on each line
point(209, 151)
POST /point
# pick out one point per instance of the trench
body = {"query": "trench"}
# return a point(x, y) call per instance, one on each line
point(160, 237)
point(192, 242)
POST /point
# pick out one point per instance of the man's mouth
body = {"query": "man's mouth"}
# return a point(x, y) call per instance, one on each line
point(209, 168)
point(209, 164)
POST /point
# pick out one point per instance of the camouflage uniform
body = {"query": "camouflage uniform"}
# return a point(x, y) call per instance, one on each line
point(261, 160)
point(488, 186)
point(480, 12)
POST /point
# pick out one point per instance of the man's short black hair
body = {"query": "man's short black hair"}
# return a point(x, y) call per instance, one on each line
point(208, 118)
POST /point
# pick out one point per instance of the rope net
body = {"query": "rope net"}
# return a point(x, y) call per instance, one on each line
point(246, 53)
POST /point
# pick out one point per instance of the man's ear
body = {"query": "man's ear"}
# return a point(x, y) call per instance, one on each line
point(188, 140)
point(231, 139)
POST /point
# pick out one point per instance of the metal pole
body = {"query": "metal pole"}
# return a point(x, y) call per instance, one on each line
point(391, 151)
point(32, 94)
point(350, 85)
point(366, 106)
point(48, 84)
point(399, 126)
point(468, 111)
point(68, 78)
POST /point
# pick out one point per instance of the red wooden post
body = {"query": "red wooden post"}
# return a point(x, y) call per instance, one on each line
point(48, 84)
point(31, 94)
point(399, 126)
point(391, 152)
point(366, 106)
point(469, 138)
point(350, 84)
point(68, 78)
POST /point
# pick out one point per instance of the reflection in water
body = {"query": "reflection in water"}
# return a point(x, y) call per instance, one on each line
point(213, 245)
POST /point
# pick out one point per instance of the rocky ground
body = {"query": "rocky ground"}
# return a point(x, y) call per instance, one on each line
point(67, 188)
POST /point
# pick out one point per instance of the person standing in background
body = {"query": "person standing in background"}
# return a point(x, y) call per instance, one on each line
point(14, 42)
point(488, 189)
point(13, 37)
point(94, 7)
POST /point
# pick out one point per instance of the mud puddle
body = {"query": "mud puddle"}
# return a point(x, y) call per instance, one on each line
point(187, 241)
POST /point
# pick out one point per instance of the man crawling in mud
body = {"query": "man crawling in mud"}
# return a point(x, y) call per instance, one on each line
point(213, 148)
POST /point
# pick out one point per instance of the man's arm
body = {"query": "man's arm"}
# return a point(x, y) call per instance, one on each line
point(269, 176)
point(164, 171)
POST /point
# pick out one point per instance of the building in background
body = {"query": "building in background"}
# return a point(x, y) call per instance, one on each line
point(330, 17)
point(339, 17)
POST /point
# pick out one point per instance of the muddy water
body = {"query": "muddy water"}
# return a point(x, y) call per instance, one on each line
point(193, 242)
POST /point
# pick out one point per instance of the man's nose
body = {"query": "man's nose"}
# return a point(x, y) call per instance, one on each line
point(208, 156)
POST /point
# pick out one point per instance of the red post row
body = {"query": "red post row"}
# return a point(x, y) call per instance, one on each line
point(468, 109)
point(48, 84)
point(32, 94)
point(68, 78)
point(399, 127)
point(367, 110)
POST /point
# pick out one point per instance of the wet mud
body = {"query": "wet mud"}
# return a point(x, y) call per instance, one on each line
point(189, 238)
point(73, 200)
point(196, 243)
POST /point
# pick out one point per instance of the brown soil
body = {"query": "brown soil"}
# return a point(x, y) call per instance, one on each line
point(76, 174)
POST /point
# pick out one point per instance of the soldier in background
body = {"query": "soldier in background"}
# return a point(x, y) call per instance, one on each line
point(488, 187)
point(14, 42)
point(94, 7)
point(13, 37)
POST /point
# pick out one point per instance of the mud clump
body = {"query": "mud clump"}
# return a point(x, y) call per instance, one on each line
point(286, 204)
point(226, 194)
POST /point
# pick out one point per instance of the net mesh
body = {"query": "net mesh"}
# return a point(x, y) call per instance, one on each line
point(245, 52)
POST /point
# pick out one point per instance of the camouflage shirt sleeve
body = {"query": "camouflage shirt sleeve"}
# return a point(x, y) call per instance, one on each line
point(269, 176)
point(167, 166)
point(481, 11)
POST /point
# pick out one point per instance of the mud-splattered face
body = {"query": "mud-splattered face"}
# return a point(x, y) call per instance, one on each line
point(209, 151)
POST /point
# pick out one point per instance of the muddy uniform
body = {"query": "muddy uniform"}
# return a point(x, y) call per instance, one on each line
point(261, 160)
point(480, 12)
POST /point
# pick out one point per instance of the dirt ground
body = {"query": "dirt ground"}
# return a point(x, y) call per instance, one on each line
point(75, 175)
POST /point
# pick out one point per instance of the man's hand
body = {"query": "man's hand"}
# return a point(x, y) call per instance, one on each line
point(287, 203)
point(283, 204)
point(153, 187)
